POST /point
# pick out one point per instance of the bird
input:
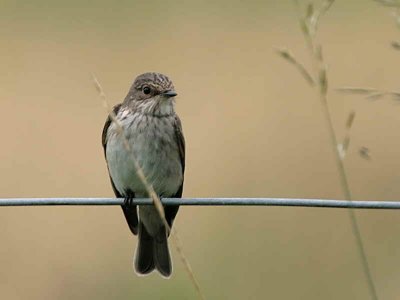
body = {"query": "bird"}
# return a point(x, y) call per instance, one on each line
point(153, 136)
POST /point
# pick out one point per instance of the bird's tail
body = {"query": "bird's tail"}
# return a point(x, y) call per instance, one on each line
point(153, 253)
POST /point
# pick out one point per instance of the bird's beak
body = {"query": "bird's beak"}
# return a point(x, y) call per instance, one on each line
point(170, 93)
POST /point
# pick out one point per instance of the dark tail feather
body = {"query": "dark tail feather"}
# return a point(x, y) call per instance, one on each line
point(161, 256)
point(144, 262)
point(131, 217)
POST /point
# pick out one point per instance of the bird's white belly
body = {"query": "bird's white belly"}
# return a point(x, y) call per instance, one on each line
point(153, 144)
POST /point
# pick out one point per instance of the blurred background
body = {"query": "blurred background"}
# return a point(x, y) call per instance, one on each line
point(253, 128)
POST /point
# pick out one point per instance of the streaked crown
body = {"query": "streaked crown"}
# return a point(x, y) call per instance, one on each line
point(150, 85)
point(158, 81)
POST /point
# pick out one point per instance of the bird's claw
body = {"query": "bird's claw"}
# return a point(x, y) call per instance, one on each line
point(128, 201)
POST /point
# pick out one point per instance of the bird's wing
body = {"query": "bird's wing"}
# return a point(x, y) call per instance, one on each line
point(171, 211)
point(129, 211)
point(104, 143)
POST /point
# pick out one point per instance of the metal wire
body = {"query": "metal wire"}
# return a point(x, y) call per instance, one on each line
point(322, 203)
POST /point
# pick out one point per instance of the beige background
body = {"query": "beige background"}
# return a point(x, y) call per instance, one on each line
point(253, 129)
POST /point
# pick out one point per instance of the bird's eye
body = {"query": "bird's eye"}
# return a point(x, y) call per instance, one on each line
point(146, 90)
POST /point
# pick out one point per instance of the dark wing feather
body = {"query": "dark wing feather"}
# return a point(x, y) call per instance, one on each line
point(104, 143)
point(129, 211)
point(106, 125)
point(171, 211)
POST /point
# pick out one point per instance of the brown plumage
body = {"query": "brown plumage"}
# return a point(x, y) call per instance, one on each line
point(154, 134)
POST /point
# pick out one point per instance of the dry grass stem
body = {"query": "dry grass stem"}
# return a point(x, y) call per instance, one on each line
point(344, 146)
point(357, 90)
point(285, 54)
point(152, 194)
point(370, 93)
point(186, 264)
point(350, 119)
point(313, 19)
point(309, 22)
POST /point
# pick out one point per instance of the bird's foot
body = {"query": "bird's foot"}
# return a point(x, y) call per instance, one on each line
point(128, 201)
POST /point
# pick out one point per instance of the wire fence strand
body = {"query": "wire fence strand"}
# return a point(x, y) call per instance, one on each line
point(294, 202)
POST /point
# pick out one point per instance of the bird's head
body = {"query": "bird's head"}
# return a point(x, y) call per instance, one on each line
point(152, 93)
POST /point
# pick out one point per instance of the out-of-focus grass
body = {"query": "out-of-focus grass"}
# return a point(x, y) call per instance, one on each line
point(309, 25)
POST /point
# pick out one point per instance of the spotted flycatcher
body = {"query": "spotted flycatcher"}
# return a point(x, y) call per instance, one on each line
point(154, 135)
